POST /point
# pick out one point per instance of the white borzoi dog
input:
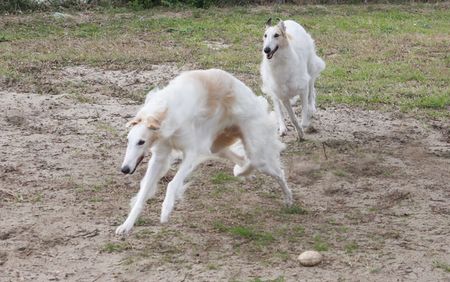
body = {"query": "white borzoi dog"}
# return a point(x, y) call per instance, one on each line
point(289, 68)
point(200, 113)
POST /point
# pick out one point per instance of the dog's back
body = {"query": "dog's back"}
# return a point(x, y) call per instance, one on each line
point(219, 94)
point(304, 46)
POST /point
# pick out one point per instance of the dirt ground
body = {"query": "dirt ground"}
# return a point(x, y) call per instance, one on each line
point(372, 190)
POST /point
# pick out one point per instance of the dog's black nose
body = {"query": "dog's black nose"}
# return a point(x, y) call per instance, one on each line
point(267, 50)
point(126, 169)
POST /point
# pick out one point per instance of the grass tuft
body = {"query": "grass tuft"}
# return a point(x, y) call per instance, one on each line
point(442, 265)
point(245, 232)
point(320, 245)
point(294, 209)
point(351, 247)
point(222, 178)
point(116, 247)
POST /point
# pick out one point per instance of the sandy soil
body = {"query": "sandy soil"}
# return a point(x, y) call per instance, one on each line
point(375, 185)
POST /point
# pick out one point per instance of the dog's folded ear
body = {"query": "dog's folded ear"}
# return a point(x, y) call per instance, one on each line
point(269, 22)
point(154, 122)
point(281, 25)
point(134, 121)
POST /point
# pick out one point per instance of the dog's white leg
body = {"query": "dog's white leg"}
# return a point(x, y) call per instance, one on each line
point(282, 130)
point(147, 188)
point(165, 165)
point(176, 185)
point(243, 170)
point(305, 107)
point(228, 154)
point(294, 120)
point(311, 99)
point(273, 169)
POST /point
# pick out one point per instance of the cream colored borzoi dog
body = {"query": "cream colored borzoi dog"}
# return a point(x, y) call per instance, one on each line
point(200, 113)
point(289, 68)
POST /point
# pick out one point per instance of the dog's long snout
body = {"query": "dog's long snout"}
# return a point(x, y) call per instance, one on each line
point(267, 50)
point(126, 169)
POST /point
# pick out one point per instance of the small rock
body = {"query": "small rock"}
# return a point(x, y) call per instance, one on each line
point(310, 258)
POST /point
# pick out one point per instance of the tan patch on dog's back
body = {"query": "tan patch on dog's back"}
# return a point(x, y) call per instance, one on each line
point(219, 90)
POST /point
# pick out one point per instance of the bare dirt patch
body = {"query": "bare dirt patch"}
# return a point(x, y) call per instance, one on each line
point(371, 189)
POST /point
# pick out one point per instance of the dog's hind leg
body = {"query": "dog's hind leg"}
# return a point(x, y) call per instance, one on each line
point(311, 98)
point(274, 170)
point(175, 187)
point(304, 92)
point(147, 188)
point(228, 154)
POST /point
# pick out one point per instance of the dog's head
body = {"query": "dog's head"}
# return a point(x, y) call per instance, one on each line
point(143, 134)
point(274, 37)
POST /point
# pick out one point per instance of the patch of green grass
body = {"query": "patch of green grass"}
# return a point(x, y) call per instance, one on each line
point(261, 237)
point(441, 101)
point(245, 232)
point(95, 199)
point(442, 265)
point(340, 173)
point(319, 244)
point(351, 247)
point(220, 226)
point(112, 247)
point(342, 229)
point(212, 266)
point(294, 209)
point(141, 221)
point(222, 178)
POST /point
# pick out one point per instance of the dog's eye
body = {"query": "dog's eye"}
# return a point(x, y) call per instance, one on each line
point(141, 142)
point(276, 35)
point(265, 35)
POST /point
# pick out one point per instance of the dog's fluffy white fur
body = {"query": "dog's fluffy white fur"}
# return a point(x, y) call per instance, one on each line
point(201, 113)
point(289, 68)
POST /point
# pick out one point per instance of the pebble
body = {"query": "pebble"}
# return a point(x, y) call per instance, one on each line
point(310, 258)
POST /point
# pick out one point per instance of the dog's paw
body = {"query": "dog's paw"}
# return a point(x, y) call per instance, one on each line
point(124, 229)
point(305, 123)
point(288, 201)
point(164, 218)
point(237, 170)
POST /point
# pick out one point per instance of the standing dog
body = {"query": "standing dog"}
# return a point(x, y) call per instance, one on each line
point(200, 113)
point(290, 67)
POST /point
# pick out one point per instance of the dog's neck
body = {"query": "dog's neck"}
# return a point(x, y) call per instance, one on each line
point(284, 56)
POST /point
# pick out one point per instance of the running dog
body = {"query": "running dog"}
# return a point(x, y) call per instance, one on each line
point(289, 68)
point(202, 113)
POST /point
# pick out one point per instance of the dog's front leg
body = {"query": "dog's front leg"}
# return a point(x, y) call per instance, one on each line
point(148, 186)
point(287, 105)
point(282, 130)
point(189, 163)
